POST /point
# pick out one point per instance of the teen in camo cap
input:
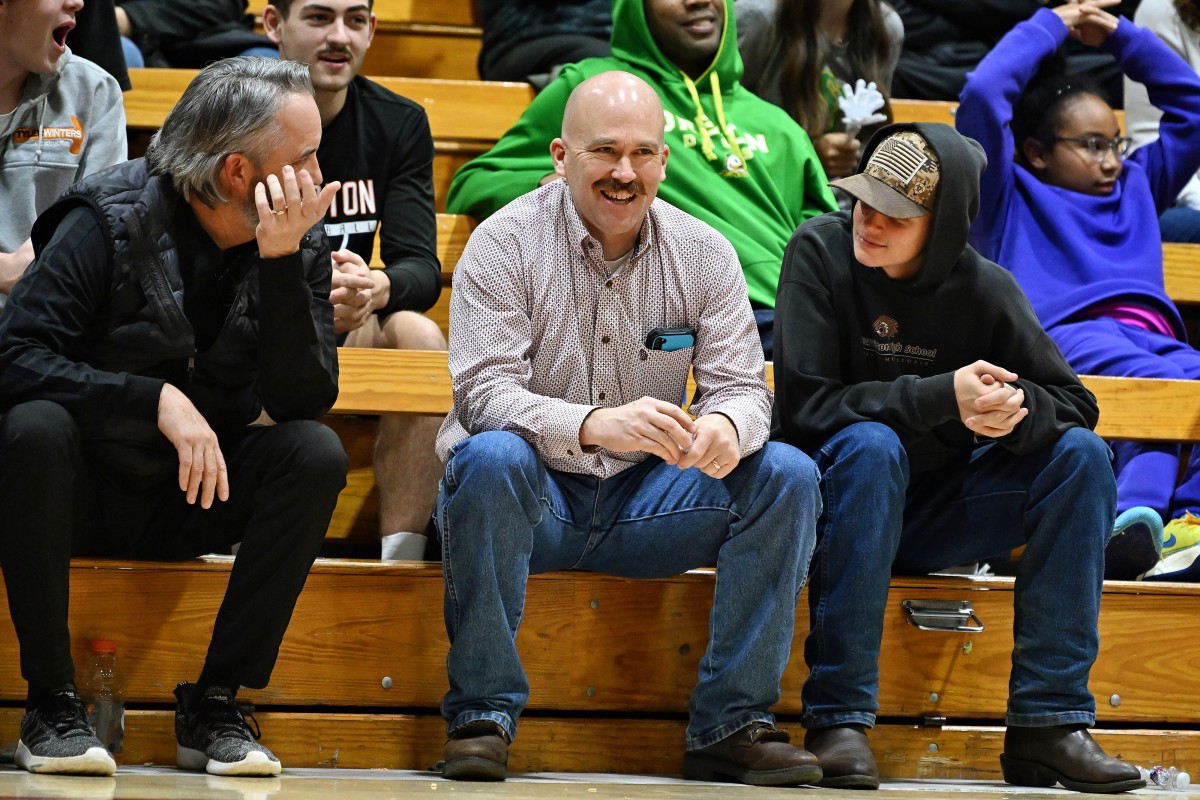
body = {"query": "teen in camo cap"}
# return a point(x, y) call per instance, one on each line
point(947, 428)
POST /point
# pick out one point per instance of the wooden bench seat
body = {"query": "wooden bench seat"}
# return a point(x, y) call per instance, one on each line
point(390, 382)
point(417, 381)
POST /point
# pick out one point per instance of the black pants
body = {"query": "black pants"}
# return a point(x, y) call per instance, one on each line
point(283, 483)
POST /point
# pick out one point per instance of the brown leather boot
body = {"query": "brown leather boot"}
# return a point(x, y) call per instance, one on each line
point(1067, 754)
point(758, 755)
point(478, 751)
point(845, 756)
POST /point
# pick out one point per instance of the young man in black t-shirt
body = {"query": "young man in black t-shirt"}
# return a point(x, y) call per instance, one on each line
point(378, 145)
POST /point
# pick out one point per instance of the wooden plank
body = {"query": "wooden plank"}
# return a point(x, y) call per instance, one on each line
point(360, 623)
point(440, 12)
point(944, 111)
point(155, 92)
point(923, 110)
point(356, 516)
point(459, 110)
point(1147, 409)
point(424, 51)
point(629, 746)
point(392, 382)
point(1181, 272)
point(389, 382)
point(453, 231)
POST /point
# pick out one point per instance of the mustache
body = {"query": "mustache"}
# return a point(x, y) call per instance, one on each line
point(334, 51)
point(610, 185)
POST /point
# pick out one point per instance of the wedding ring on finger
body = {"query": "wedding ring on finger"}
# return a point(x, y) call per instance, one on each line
point(715, 465)
point(279, 212)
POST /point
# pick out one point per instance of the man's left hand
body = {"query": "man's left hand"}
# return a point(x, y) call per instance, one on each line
point(295, 206)
point(715, 450)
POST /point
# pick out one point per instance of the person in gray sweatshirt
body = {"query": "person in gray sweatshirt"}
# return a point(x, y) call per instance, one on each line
point(61, 118)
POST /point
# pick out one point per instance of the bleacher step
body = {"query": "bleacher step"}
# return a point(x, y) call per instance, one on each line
point(629, 745)
point(367, 635)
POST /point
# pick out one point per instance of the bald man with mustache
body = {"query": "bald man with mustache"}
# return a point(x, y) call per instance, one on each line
point(577, 313)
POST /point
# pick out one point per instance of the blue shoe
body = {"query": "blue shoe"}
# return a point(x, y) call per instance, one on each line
point(1135, 545)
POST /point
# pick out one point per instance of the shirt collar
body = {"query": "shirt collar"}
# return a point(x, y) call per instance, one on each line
point(577, 232)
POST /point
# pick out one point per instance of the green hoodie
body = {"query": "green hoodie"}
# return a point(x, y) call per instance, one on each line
point(756, 206)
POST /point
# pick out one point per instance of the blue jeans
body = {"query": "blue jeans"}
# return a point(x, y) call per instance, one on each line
point(764, 320)
point(1059, 502)
point(504, 516)
point(1180, 224)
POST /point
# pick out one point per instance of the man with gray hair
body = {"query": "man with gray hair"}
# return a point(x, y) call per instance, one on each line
point(171, 301)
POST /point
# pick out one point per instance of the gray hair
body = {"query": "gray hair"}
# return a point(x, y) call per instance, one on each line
point(231, 106)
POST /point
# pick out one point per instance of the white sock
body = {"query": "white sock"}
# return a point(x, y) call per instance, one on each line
point(403, 546)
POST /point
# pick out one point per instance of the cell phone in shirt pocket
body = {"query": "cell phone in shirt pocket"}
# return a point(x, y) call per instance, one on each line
point(671, 339)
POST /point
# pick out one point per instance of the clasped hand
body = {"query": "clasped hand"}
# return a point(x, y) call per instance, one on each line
point(352, 291)
point(665, 430)
point(987, 404)
point(1087, 20)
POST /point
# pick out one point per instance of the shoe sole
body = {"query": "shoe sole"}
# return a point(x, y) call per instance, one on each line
point(1026, 773)
point(699, 768)
point(849, 782)
point(95, 761)
point(1130, 553)
point(474, 768)
point(254, 765)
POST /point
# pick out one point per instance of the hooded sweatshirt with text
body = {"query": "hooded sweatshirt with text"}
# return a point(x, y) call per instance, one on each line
point(713, 126)
point(853, 345)
point(67, 125)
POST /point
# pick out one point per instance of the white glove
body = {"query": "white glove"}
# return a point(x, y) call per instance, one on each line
point(860, 106)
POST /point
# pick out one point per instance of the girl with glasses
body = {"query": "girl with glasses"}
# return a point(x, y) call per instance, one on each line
point(1074, 216)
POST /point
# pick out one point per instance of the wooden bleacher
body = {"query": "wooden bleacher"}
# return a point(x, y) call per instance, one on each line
point(610, 661)
point(363, 665)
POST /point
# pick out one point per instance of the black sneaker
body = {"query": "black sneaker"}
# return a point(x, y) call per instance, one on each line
point(212, 735)
point(57, 739)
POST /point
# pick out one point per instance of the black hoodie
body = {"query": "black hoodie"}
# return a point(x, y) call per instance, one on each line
point(853, 345)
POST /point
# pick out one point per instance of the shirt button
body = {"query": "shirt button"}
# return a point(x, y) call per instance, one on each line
point(608, 284)
point(600, 396)
point(604, 339)
point(642, 355)
point(570, 452)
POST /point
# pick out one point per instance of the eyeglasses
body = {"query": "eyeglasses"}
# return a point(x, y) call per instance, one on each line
point(1098, 147)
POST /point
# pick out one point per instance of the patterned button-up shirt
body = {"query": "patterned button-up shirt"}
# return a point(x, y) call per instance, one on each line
point(541, 334)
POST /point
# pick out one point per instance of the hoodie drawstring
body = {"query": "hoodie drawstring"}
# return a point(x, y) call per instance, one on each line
point(37, 156)
point(706, 145)
point(735, 162)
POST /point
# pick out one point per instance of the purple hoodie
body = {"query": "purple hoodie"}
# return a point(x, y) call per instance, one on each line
point(1068, 250)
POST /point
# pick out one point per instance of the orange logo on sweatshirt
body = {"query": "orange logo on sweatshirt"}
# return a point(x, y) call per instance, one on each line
point(74, 133)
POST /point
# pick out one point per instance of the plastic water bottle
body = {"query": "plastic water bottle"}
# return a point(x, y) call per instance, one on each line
point(1166, 778)
point(104, 695)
